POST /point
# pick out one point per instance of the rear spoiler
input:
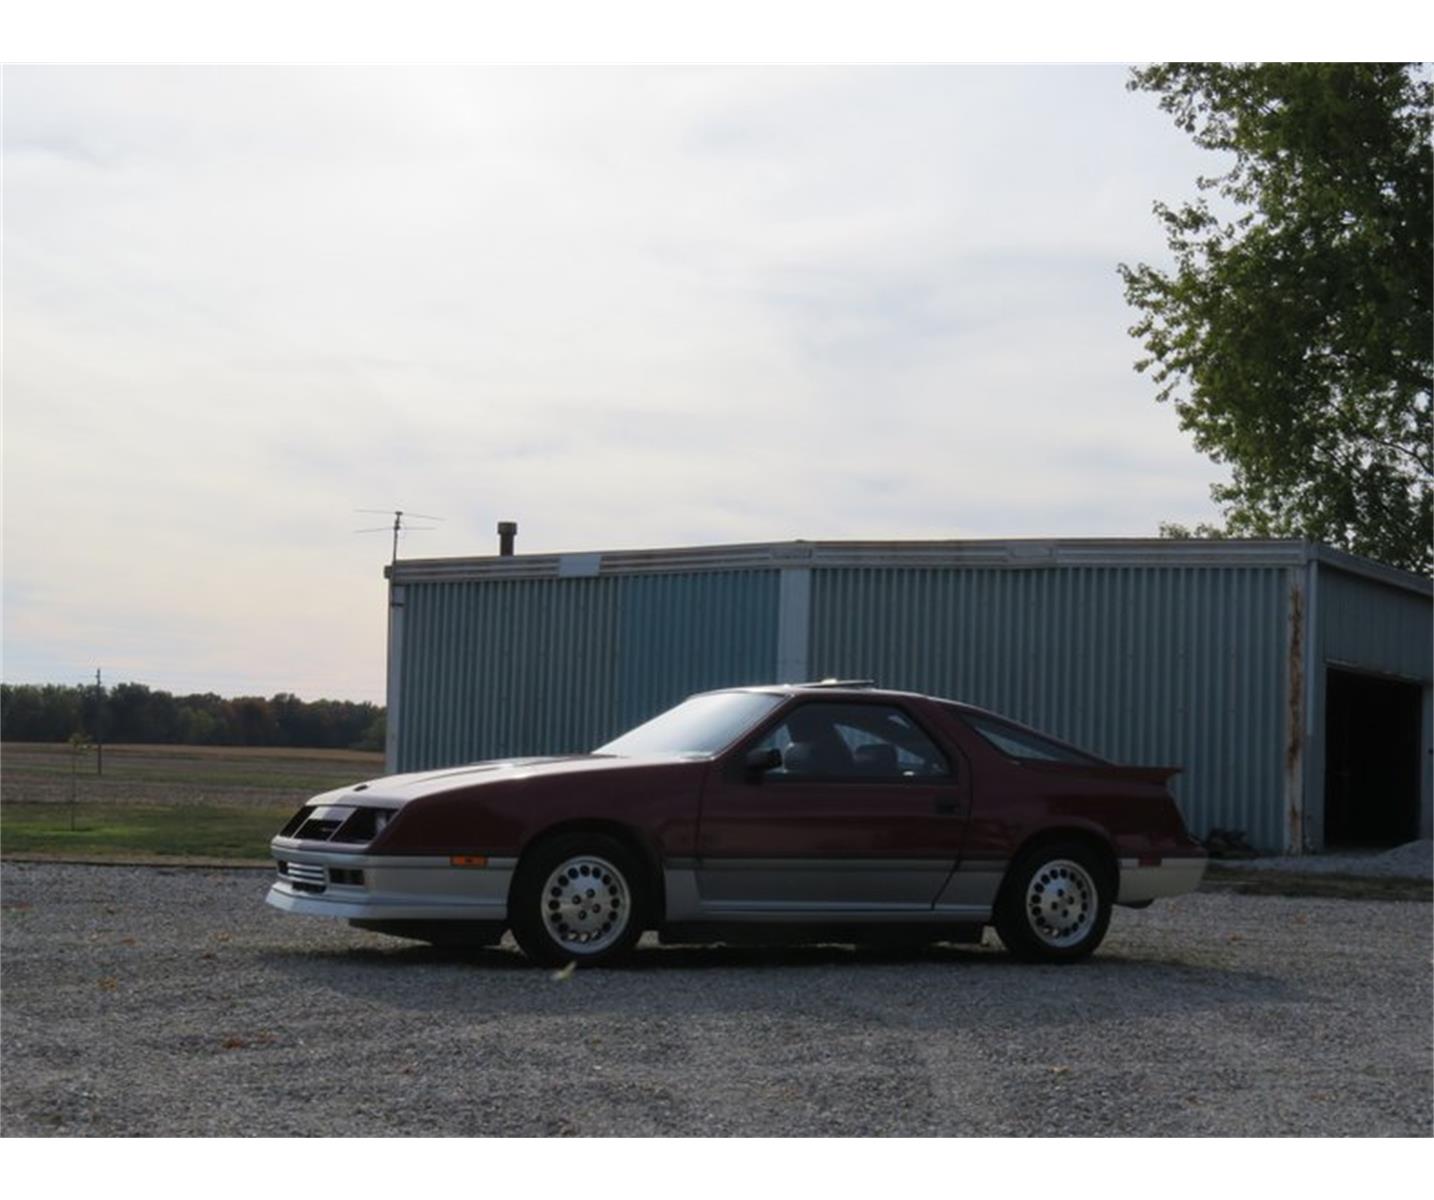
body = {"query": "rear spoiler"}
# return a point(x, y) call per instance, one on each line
point(1106, 771)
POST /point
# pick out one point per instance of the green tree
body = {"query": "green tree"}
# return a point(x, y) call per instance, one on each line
point(374, 733)
point(1295, 335)
point(133, 712)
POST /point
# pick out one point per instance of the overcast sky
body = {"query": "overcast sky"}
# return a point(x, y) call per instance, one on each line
point(622, 307)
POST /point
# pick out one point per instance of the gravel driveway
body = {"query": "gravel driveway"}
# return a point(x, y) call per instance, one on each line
point(171, 1001)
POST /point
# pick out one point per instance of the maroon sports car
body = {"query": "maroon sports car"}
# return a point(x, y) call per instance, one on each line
point(834, 812)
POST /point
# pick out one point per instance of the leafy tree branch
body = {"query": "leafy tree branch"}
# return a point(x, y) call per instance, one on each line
point(1294, 334)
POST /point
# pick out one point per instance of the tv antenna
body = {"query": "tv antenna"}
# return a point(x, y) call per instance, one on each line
point(398, 526)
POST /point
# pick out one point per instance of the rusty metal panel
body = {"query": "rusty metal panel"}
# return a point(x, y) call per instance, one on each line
point(1162, 665)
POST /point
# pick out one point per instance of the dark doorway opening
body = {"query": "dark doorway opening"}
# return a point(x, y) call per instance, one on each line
point(1371, 779)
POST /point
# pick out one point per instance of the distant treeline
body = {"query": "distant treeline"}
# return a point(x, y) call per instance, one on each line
point(132, 712)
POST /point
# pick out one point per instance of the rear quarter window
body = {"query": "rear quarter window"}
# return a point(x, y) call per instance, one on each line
point(1025, 744)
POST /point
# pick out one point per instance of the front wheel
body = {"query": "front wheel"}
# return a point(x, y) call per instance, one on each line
point(577, 898)
point(1055, 905)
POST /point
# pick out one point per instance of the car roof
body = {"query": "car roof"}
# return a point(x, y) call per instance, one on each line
point(866, 689)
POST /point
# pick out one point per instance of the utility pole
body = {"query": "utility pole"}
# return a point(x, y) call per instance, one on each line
point(99, 725)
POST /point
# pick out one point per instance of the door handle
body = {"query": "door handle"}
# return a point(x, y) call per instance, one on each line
point(949, 806)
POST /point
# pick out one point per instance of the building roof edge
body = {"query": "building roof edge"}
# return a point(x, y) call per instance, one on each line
point(1006, 553)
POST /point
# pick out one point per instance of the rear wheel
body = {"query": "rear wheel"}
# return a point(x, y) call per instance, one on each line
point(578, 898)
point(1055, 905)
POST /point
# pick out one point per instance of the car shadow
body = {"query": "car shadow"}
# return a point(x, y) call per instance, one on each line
point(918, 984)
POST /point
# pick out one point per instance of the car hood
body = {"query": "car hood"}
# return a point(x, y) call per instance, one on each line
point(397, 790)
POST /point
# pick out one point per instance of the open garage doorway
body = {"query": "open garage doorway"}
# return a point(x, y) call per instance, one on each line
point(1371, 782)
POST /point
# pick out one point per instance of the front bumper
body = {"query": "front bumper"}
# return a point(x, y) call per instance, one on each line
point(392, 888)
point(1168, 877)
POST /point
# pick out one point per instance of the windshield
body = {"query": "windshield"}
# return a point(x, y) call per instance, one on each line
point(700, 725)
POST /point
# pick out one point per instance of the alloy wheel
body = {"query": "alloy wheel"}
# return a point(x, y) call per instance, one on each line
point(1061, 903)
point(586, 904)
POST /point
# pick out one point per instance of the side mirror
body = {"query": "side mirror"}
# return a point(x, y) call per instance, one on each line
point(759, 761)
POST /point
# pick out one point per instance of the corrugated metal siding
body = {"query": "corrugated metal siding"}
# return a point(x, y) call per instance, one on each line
point(1168, 653)
point(504, 667)
point(1169, 666)
point(683, 633)
point(1374, 627)
point(1369, 626)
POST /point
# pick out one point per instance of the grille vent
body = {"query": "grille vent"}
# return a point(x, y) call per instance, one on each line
point(304, 877)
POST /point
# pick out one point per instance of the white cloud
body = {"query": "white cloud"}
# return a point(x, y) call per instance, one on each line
point(623, 307)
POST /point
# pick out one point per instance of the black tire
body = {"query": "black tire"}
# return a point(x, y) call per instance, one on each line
point(594, 917)
point(1055, 903)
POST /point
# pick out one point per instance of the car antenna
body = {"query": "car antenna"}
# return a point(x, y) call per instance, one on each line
point(398, 525)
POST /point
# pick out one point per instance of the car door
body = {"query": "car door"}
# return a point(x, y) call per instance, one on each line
point(860, 811)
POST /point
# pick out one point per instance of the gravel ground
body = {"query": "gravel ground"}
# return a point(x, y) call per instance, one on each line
point(143, 1001)
point(1413, 860)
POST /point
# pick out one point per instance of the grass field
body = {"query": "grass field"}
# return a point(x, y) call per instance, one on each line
point(154, 801)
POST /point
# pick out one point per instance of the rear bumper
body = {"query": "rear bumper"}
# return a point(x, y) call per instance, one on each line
point(392, 888)
point(1169, 877)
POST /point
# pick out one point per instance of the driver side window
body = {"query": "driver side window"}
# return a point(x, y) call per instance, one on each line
point(852, 741)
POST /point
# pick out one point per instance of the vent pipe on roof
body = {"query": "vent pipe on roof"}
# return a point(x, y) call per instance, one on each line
point(507, 531)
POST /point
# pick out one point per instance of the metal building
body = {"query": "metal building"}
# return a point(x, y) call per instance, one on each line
point(1289, 680)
